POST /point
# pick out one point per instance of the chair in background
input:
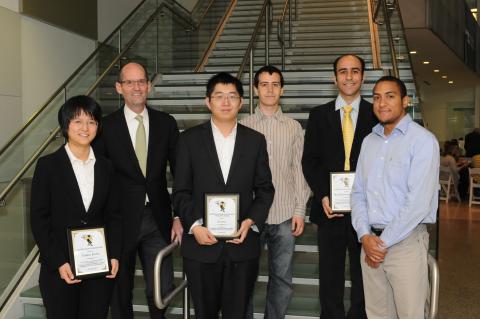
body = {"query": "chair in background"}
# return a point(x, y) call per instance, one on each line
point(447, 187)
point(474, 176)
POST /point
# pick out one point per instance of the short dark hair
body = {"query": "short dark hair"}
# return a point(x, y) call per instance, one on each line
point(223, 78)
point(397, 81)
point(270, 69)
point(120, 78)
point(73, 107)
point(362, 62)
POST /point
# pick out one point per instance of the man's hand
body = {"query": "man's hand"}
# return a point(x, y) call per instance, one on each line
point(66, 274)
point(328, 210)
point(113, 272)
point(177, 231)
point(298, 224)
point(374, 248)
point(242, 232)
point(203, 236)
point(371, 263)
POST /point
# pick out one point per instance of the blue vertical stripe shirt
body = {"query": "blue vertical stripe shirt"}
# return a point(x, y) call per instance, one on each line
point(396, 182)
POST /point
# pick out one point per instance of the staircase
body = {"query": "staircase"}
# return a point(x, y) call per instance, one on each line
point(320, 33)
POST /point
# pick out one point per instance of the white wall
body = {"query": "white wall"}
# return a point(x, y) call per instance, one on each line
point(49, 55)
point(10, 80)
point(12, 5)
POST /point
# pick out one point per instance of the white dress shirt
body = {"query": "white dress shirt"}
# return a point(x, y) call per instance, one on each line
point(85, 175)
point(224, 146)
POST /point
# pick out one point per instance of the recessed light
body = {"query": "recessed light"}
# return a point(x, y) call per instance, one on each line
point(444, 76)
point(474, 10)
point(436, 70)
point(450, 82)
point(413, 52)
point(426, 62)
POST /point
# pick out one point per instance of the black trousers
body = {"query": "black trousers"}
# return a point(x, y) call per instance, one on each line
point(150, 242)
point(88, 299)
point(335, 237)
point(224, 286)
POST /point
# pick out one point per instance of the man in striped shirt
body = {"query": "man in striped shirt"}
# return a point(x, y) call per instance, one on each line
point(286, 217)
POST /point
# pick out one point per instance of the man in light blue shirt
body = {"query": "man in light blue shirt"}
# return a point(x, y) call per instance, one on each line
point(394, 195)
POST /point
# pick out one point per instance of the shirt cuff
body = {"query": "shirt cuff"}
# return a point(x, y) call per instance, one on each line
point(364, 230)
point(299, 211)
point(198, 222)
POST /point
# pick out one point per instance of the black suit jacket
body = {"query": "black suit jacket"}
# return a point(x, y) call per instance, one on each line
point(115, 143)
point(56, 204)
point(324, 151)
point(472, 144)
point(198, 172)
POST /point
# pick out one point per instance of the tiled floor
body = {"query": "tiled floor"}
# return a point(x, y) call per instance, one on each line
point(459, 261)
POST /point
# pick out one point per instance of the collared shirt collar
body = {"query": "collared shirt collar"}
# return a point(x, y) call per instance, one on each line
point(402, 126)
point(74, 159)
point(340, 103)
point(130, 115)
point(278, 115)
point(216, 130)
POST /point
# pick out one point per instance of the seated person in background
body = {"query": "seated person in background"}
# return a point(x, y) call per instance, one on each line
point(451, 159)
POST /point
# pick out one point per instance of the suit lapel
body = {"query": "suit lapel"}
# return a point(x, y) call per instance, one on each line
point(237, 151)
point(362, 122)
point(209, 143)
point(98, 185)
point(154, 137)
point(71, 184)
point(335, 123)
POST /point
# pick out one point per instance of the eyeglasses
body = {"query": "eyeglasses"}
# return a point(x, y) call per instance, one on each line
point(131, 83)
point(230, 97)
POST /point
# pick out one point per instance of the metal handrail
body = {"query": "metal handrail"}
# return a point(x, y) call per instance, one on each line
point(216, 35)
point(205, 12)
point(434, 275)
point(386, 21)
point(281, 29)
point(69, 79)
point(160, 302)
point(22, 270)
point(267, 5)
point(54, 133)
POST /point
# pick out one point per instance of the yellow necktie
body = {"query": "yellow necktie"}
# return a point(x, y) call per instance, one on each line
point(141, 145)
point(347, 130)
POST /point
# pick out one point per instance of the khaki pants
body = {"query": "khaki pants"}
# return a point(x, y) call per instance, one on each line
point(398, 288)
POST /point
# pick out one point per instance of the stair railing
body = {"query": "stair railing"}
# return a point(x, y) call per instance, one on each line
point(281, 28)
point(36, 154)
point(267, 14)
point(160, 302)
point(434, 276)
point(216, 35)
point(385, 6)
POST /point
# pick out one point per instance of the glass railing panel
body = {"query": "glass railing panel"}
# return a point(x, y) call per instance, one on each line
point(130, 27)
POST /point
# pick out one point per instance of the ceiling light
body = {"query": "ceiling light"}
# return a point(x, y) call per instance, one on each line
point(436, 70)
point(426, 62)
point(413, 52)
point(450, 82)
point(473, 10)
point(444, 76)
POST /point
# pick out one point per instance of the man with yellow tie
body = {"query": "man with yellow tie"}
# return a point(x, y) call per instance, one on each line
point(333, 137)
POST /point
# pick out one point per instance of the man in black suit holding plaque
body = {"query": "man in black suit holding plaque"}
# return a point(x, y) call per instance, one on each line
point(333, 137)
point(222, 162)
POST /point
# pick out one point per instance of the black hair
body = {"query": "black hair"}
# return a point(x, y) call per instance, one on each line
point(389, 78)
point(270, 69)
point(223, 78)
point(120, 79)
point(73, 107)
point(362, 62)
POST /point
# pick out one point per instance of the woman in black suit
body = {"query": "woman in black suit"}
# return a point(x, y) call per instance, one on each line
point(73, 188)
